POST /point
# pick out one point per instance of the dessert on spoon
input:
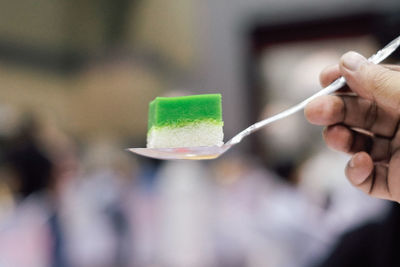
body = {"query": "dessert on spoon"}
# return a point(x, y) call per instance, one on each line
point(190, 127)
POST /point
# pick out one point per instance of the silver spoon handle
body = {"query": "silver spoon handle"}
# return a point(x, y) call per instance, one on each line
point(336, 85)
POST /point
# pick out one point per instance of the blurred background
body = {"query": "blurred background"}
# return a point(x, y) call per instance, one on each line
point(76, 78)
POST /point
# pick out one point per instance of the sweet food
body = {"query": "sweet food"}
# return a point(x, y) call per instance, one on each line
point(185, 121)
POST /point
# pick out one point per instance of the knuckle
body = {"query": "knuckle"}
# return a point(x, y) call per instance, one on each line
point(371, 115)
point(332, 109)
point(381, 83)
point(329, 74)
point(379, 80)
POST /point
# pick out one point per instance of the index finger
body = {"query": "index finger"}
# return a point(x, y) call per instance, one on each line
point(329, 75)
point(354, 112)
point(392, 67)
point(332, 72)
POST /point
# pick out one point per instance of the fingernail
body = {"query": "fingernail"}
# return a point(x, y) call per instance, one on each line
point(352, 60)
point(352, 163)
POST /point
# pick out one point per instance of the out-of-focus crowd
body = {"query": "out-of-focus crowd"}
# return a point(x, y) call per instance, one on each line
point(67, 204)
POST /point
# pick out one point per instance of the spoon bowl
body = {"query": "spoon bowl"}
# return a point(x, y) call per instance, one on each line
point(193, 153)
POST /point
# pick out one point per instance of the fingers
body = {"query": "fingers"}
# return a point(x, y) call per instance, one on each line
point(354, 112)
point(391, 67)
point(393, 181)
point(371, 81)
point(325, 110)
point(375, 164)
point(370, 178)
point(379, 179)
point(332, 72)
point(359, 169)
point(376, 180)
point(341, 138)
point(329, 74)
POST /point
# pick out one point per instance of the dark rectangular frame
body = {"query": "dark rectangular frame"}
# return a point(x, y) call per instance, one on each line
point(260, 36)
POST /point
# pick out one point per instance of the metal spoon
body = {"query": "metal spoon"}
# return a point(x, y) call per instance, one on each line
point(212, 152)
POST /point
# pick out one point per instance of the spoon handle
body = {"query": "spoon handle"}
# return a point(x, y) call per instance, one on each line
point(336, 85)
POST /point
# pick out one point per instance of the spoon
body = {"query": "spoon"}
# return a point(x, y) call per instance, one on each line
point(212, 152)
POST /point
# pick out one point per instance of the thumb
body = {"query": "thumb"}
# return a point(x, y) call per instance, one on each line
point(371, 81)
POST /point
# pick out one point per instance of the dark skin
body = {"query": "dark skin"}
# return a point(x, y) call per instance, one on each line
point(364, 122)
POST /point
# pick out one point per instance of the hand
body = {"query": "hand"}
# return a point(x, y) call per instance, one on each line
point(364, 124)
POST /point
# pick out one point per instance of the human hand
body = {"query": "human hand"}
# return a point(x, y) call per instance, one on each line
point(364, 124)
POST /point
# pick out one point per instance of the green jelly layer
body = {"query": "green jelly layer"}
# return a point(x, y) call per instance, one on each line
point(179, 111)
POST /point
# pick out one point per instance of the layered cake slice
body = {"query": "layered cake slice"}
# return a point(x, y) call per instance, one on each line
point(185, 121)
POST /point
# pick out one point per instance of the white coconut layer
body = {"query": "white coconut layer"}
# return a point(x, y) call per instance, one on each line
point(191, 135)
